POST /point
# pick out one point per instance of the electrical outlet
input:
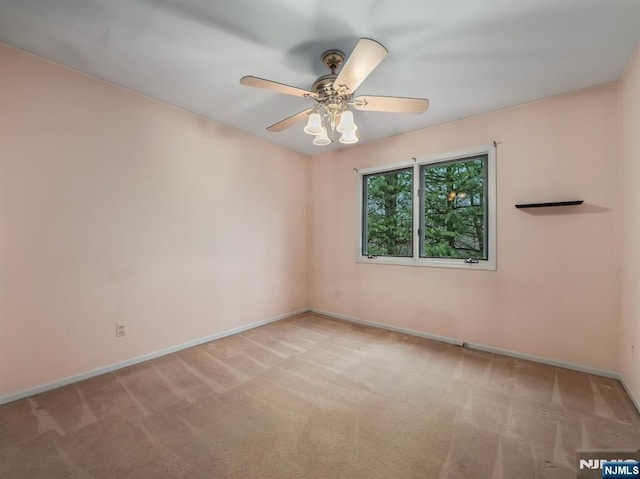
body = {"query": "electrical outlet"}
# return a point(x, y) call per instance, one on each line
point(121, 329)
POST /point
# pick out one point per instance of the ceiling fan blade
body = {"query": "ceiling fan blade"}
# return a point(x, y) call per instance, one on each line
point(391, 104)
point(275, 86)
point(364, 58)
point(287, 122)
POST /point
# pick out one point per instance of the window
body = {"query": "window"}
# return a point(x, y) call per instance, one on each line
point(454, 209)
point(389, 213)
point(452, 217)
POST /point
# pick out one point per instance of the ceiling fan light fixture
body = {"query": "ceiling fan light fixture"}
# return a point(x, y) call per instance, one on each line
point(346, 122)
point(314, 124)
point(349, 136)
point(321, 139)
point(334, 95)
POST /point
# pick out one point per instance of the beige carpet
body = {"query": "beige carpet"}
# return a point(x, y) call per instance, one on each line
point(310, 397)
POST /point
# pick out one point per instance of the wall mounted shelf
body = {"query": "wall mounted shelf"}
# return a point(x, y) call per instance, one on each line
point(552, 203)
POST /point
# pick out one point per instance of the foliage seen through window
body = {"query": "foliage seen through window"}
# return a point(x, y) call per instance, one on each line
point(388, 213)
point(454, 209)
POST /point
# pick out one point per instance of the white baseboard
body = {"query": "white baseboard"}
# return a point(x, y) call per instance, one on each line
point(138, 359)
point(544, 360)
point(479, 347)
point(412, 332)
point(626, 387)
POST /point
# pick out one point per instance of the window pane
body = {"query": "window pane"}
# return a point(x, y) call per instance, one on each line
point(388, 213)
point(454, 209)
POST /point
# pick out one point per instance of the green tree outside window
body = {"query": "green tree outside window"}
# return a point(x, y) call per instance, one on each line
point(389, 213)
point(454, 209)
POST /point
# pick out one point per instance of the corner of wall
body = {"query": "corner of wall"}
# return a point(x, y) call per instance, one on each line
point(629, 257)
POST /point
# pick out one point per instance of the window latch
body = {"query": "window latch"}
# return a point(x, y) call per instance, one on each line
point(372, 256)
point(471, 261)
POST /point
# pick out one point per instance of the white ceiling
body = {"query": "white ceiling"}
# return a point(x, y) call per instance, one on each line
point(466, 56)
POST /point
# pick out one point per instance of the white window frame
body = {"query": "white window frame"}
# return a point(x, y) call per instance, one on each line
point(489, 264)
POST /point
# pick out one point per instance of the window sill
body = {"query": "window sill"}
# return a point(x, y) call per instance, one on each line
point(430, 263)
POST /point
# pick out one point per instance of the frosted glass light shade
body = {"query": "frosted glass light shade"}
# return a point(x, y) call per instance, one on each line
point(346, 122)
point(314, 124)
point(321, 139)
point(349, 136)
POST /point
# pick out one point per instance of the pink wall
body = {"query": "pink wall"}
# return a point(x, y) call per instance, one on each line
point(630, 294)
point(556, 288)
point(117, 207)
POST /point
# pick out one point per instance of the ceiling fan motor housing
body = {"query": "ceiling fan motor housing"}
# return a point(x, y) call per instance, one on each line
point(323, 86)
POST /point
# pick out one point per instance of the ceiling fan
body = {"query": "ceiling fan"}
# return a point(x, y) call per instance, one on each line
point(334, 95)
